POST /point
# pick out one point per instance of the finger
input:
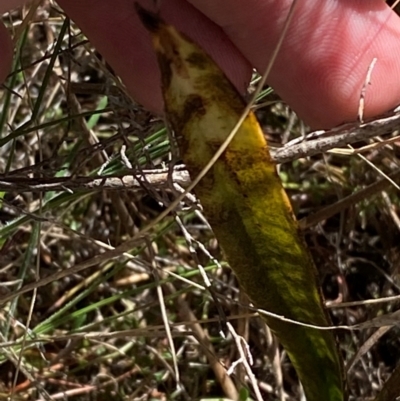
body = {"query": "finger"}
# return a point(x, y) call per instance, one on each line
point(114, 29)
point(323, 64)
point(6, 53)
point(6, 5)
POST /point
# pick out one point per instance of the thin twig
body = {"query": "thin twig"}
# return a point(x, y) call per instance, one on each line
point(314, 143)
point(323, 141)
point(246, 360)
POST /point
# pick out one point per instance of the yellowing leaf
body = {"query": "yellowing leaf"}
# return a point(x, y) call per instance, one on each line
point(246, 206)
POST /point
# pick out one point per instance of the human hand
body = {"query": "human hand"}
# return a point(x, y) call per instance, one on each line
point(320, 69)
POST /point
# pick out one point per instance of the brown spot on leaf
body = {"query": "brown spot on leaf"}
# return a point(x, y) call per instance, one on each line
point(201, 61)
point(166, 70)
point(193, 106)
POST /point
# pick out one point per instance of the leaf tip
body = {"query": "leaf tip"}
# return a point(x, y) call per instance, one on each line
point(150, 20)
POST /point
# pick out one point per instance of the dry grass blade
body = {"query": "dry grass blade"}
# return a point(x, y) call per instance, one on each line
point(391, 389)
point(372, 340)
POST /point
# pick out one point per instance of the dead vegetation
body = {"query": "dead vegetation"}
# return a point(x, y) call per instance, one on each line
point(95, 304)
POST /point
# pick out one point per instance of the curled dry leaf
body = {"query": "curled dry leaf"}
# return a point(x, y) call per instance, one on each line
point(246, 205)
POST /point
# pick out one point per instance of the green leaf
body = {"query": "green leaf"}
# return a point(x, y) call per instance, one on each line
point(247, 207)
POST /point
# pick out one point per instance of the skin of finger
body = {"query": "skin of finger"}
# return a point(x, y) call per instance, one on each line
point(6, 46)
point(115, 30)
point(323, 63)
point(6, 52)
point(7, 5)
